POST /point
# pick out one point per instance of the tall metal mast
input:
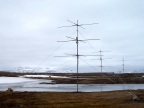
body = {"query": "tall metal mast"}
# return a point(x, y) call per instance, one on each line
point(123, 65)
point(101, 61)
point(123, 69)
point(77, 43)
point(101, 64)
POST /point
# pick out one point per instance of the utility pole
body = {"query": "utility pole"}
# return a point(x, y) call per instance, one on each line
point(77, 40)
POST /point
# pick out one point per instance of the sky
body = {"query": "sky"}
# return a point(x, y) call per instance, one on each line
point(29, 31)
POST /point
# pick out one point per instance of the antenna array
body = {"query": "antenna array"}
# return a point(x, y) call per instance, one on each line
point(77, 40)
point(101, 64)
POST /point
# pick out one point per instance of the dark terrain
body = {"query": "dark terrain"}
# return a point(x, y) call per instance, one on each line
point(113, 99)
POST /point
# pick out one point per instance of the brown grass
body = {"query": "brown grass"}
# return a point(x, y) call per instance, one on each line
point(115, 99)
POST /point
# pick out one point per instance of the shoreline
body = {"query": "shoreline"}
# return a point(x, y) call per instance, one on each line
point(85, 78)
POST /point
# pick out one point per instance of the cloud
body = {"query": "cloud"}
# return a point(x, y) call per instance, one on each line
point(29, 32)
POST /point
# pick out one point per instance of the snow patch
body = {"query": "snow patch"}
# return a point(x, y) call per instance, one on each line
point(15, 80)
point(43, 76)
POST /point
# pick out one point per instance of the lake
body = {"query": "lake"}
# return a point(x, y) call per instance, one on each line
point(40, 85)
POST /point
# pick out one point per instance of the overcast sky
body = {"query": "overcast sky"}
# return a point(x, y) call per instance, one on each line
point(29, 33)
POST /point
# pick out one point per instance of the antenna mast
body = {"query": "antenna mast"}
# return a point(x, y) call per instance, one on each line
point(123, 65)
point(77, 43)
point(101, 60)
point(101, 64)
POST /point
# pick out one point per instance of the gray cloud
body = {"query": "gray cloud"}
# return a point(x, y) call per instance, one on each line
point(29, 32)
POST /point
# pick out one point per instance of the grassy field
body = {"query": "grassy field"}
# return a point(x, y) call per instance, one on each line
point(115, 99)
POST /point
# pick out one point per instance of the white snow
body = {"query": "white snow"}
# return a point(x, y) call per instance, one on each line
point(59, 77)
point(14, 80)
point(43, 76)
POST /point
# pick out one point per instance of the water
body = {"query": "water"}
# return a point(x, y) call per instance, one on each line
point(26, 84)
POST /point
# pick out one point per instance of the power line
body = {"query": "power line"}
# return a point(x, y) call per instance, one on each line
point(52, 52)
